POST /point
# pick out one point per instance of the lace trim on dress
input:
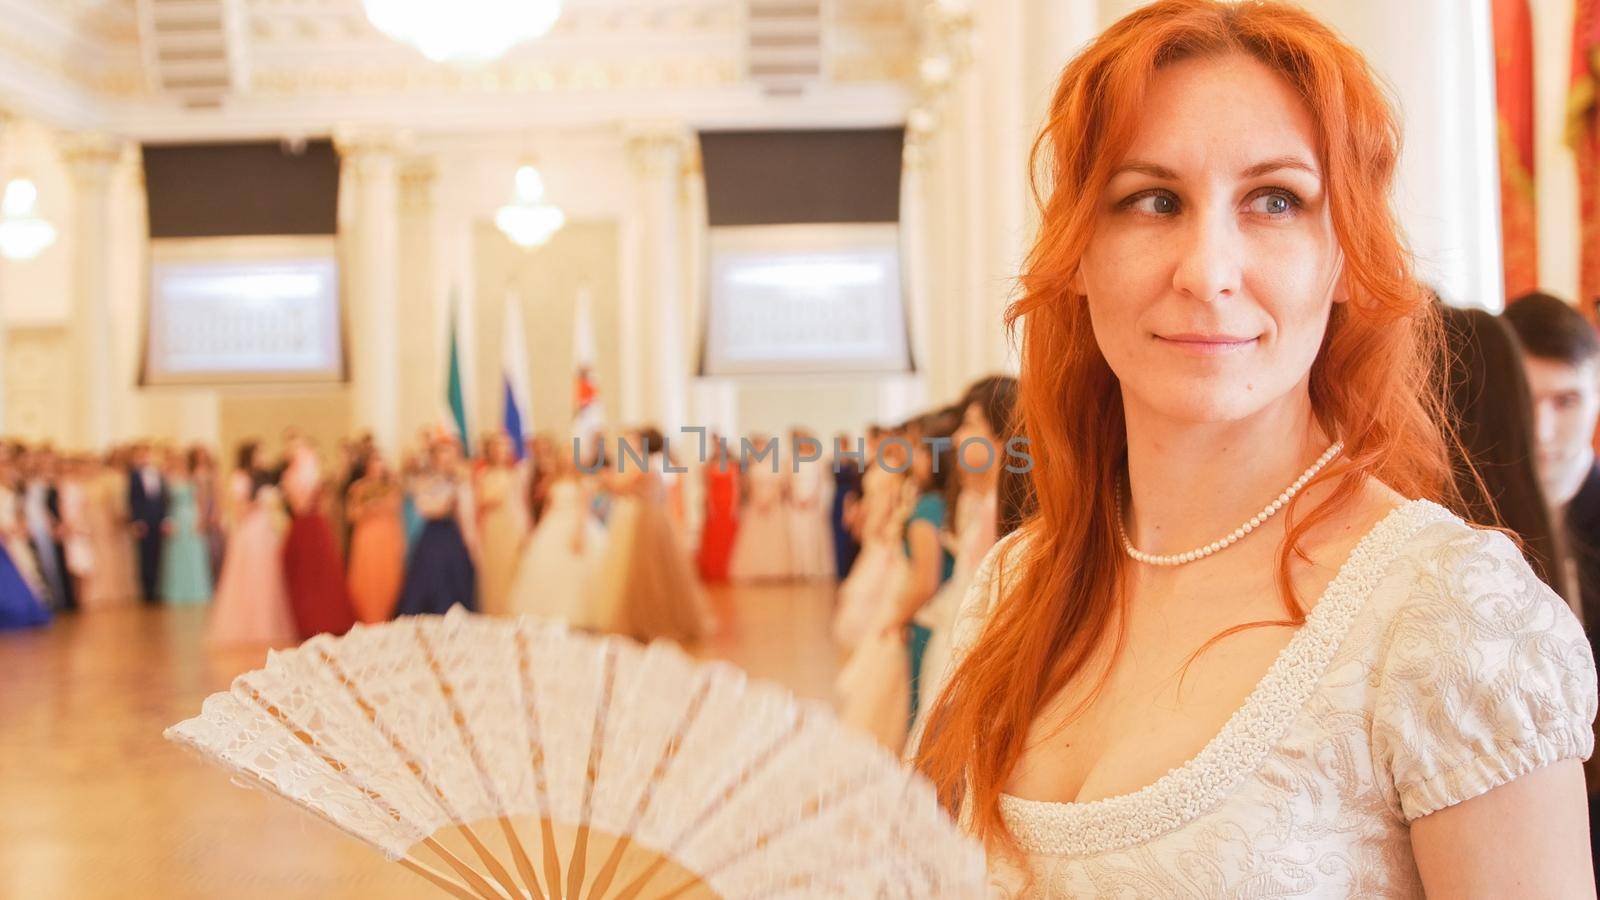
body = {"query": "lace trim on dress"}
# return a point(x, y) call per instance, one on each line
point(1197, 786)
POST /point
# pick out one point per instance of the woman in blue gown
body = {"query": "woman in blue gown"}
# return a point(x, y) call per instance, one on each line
point(19, 605)
point(439, 572)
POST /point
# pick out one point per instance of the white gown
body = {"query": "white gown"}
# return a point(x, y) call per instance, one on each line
point(761, 549)
point(1434, 668)
point(810, 536)
point(874, 581)
point(555, 579)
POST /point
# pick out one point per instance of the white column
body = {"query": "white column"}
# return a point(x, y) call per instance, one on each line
point(1439, 57)
point(1056, 31)
point(373, 162)
point(658, 158)
point(916, 235)
point(92, 159)
point(976, 182)
point(421, 295)
point(999, 66)
point(632, 303)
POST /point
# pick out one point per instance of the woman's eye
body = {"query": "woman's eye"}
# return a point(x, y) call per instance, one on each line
point(1274, 203)
point(1155, 203)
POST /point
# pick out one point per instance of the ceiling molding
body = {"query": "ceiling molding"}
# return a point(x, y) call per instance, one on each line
point(313, 65)
point(735, 106)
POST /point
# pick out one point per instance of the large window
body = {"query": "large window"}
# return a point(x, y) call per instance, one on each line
point(805, 298)
point(243, 309)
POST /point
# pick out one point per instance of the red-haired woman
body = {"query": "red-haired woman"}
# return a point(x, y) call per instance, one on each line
point(1239, 648)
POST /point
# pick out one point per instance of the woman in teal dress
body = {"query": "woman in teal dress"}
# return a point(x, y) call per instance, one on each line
point(185, 558)
point(928, 558)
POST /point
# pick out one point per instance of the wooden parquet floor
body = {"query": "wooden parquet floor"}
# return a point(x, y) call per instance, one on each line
point(94, 803)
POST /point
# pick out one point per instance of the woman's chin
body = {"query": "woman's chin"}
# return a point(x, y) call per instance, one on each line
point(1203, 402)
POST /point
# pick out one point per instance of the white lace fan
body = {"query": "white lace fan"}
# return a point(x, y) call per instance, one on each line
point(642, 772)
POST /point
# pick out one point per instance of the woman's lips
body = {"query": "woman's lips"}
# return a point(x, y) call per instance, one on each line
point(1206, 344)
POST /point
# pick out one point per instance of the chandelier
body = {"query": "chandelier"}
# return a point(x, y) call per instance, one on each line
point(23, 235)
point(467, 31)
point(527, 220)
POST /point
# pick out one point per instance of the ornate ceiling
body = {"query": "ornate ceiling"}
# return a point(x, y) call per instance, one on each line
point(298, 67)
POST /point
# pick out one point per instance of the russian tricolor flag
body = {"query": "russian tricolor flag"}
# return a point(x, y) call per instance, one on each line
point(516, 415)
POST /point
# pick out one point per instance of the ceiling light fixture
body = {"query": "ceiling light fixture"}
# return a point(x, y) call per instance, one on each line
point(527, 220)
point(23, 235)
point(463, 31)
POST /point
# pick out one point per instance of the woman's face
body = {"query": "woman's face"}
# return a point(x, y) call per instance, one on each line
point(984, 451)
point(1213, 264)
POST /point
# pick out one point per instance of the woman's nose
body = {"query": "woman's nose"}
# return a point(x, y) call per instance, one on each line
point(1208, 267)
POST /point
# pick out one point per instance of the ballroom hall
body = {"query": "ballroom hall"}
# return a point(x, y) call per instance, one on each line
point(387, 381)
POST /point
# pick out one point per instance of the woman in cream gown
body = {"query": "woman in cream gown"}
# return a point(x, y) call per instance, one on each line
point(876, 572)
point(1351, 693)
point(502, 524)
point(810, 537)
point(74, 489)
point(557, 576)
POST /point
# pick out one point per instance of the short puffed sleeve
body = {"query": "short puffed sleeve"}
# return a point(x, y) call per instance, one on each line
point(1482, 676)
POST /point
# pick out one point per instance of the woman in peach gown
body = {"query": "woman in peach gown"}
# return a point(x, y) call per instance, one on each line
point(251, 603)
point(647, 585)
point(112, 580)
point(502, 524)
point(377, 542)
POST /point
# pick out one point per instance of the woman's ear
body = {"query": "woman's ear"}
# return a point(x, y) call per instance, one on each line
point(1341, 281)
point(1075, 284)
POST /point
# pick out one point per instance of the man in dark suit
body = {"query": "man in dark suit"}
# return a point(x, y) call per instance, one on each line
point(1561, 353)
point(147, 509)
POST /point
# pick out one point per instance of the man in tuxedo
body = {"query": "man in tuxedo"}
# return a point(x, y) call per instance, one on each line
point(147, 510)
point(1561, 353)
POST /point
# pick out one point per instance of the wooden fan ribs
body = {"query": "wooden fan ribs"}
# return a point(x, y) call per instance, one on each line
point(685, 781)
point(552, 859)
point(596, 748)
point(490, 788)
point(669, 754)
point(475, 880)
point(343, 771)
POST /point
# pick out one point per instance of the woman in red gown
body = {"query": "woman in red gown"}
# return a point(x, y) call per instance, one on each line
point(722, 515)
point(312, 566)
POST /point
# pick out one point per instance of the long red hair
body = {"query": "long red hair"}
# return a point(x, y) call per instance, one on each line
point(1376, 382)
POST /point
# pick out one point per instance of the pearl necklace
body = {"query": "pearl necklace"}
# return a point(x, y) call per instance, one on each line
point(1178, 559)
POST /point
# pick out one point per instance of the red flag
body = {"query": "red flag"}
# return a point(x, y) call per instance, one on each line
point(1583, 134)
point(1513, 90)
